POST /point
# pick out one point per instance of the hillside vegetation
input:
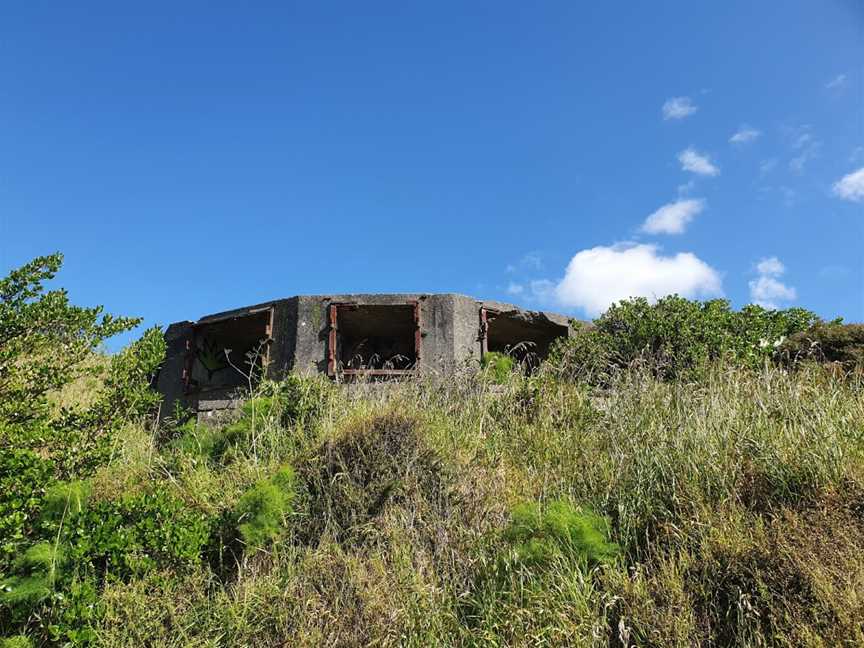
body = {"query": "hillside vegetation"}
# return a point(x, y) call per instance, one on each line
point(677, 474)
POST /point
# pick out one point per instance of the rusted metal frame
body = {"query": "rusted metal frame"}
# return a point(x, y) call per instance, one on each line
point(378, 372)
point(333, 310)
point(332, 368)
point(189, 360)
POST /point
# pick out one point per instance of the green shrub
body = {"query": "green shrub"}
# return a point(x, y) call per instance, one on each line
point(45, 345)
point(24, 475)
point(498, 366)
point(261, 511)
point(214, 441)
point(540, 533)
point(136, 533)
point(675, 335)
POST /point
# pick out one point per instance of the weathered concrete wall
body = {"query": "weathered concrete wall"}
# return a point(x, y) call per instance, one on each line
point(169, 382)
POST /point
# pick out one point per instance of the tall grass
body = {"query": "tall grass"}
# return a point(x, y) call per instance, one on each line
point(736, 502)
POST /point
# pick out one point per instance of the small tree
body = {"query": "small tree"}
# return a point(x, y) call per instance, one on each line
point(45, 344)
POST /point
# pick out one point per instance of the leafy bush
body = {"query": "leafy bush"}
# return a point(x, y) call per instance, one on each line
point(539, 534)
point(45, 344)
point(136, 533)
point(498, 366)
point(24, 476)
point(44, 340)
point(261, 511)
point(676, 335)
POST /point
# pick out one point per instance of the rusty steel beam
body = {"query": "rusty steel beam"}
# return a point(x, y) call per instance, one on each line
point(331, 340)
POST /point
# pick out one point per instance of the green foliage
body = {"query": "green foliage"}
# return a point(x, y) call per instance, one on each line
point(18, 641)
point(735, 488)
point(127, 391)
point(262, 509)
point(299, 399)
point(91, 541)
point(45, 344)
point(24, 476)
point(498, 366)
point(541, 533)
point(676, 335)
point(44, 340)
point(36, 572)
point(131, 535)
point(64, 500)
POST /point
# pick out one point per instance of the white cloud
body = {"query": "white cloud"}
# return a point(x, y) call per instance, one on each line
point(837, 82)
point(802, 141)
point(673, 218)
point(597, 277)
point(770, 266)
point(851, 186)
point(678, 108)
point(530, 261)
point(515, 288)
point(745, 134)
point(767, 290)
point(695, 162)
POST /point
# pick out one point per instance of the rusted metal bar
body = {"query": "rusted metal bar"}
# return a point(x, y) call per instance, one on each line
point(378, 372)
point(331, 340)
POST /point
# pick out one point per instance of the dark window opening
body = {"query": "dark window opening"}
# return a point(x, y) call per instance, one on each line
point(526, 341)
point(373, 339)
point(227, 354)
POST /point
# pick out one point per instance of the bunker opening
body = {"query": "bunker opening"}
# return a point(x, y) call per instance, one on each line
point(374, 339)
point(228, 353)
point(526, 340)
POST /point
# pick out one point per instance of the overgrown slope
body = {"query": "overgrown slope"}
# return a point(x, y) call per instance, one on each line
point(719, 504)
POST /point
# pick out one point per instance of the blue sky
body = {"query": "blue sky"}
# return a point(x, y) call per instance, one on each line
point(196, 158)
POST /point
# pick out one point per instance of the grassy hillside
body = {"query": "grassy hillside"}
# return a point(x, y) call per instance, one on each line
point(736, 505)
point(658, 483)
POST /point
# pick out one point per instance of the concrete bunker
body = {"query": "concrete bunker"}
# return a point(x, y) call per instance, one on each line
point(373, 339)
point(209, 363)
